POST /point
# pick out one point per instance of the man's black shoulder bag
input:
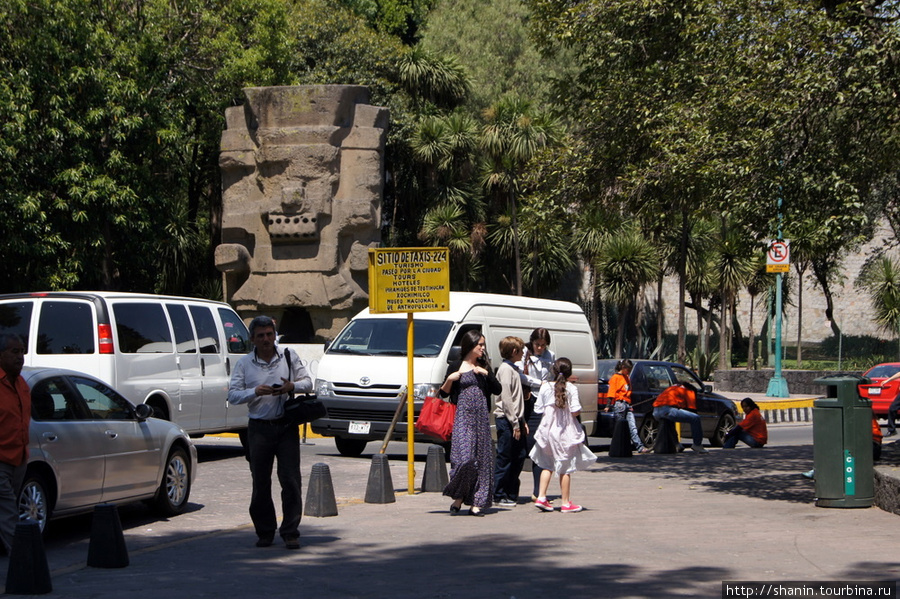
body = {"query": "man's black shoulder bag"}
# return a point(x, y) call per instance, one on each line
point(300, 409)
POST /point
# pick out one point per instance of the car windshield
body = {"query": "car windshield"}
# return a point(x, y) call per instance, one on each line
point(883, 371)
point(387, 337)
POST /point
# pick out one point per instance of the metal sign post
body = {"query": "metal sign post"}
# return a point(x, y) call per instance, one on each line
point(409, 280)
point(778, 260)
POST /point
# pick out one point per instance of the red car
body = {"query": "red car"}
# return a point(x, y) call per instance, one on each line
point(881, 398)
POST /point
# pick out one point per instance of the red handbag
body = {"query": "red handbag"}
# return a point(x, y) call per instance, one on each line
point(436, 418)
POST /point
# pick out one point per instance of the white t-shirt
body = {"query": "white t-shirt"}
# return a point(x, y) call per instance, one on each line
point(547, 397)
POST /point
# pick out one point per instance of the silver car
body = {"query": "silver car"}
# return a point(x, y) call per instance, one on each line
point(90, 445)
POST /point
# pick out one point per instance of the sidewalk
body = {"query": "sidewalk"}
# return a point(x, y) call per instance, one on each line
point(654, 526)
point(796, 408)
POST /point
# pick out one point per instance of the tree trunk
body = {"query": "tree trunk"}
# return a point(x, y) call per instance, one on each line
point(800, 316)
point(682, 260)
point(660, 315)
point(515, 229)
point(620, 332)
point(751, 335)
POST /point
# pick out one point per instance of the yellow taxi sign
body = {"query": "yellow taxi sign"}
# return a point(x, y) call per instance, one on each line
point(409, 280)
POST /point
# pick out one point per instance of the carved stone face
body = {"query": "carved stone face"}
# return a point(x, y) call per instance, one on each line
point(302, 170)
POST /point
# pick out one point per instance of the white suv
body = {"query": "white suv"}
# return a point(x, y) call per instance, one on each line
point(172, 353)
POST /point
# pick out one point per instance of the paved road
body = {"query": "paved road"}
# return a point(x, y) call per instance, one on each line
point(656, 526)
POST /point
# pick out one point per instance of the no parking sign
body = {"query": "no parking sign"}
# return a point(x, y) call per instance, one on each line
point(778, 257)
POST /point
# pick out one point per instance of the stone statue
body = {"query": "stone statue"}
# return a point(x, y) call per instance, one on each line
point(302, 181)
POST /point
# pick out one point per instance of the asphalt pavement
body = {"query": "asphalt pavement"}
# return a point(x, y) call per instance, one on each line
point(653, 526)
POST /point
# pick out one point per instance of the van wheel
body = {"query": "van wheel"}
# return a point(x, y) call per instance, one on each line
point(34, 500)
point(351, 448)
point(649, 431)
point(175, 488)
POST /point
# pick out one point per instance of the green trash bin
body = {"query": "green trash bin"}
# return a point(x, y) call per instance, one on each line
point(842, 445)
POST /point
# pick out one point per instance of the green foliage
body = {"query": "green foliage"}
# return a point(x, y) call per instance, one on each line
point(491, 41)
point(112, 115)
point(881, 279)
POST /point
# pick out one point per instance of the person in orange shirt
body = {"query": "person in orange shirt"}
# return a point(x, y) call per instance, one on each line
point(618, 398)
point(15, 418)
point(751, 430)
point(877, 439)
point(679, 403)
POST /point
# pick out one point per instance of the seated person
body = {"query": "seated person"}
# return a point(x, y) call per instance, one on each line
point(751, 430)
point(679, 404)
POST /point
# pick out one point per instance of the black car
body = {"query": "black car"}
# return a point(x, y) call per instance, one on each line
point(648, 379)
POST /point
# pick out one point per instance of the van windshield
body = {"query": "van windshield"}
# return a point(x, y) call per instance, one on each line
point(387, 337)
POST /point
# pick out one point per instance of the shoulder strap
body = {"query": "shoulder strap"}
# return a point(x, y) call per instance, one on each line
point(287, 358)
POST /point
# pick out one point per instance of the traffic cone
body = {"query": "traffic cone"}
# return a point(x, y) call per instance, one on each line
point(28, 573)
point(107, 548)
point(435, 477)
point(620, 446)
point(667, 438)
point(320, 502)
point(380, 489)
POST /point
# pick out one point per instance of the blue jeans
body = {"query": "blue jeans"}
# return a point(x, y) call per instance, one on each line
point(679, 415)
point(623, 409)
point(744, 436)
point(511, 456)
point(266, 441)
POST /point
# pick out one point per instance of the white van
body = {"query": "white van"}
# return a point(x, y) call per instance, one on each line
point(360, 377)
point(173, 353)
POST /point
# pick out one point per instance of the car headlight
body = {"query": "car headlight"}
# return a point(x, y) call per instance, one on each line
point(324, 389)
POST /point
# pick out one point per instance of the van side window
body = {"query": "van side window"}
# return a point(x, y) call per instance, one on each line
point(207, 332)
point(15, 317)
point(103, 402)
point(237, 334)
point(66, 328)
point(184, 333)
point(142, 329)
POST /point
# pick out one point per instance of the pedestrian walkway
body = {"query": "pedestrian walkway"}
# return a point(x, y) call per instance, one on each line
point(654, 526)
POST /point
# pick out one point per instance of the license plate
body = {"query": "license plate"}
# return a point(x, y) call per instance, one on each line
point(359, 428)
point(874, 391)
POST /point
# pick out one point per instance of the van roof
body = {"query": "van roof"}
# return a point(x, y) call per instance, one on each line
point(103, 294)
point(461, 302)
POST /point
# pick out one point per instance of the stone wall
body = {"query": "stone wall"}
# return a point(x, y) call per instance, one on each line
point(800, 382)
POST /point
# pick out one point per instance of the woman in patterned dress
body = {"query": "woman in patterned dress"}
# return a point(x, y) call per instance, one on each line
point(470, 384)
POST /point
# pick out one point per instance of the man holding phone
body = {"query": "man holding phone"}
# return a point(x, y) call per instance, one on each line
point(264, 379)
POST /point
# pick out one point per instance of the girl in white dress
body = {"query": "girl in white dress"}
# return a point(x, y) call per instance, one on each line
point(559, 441)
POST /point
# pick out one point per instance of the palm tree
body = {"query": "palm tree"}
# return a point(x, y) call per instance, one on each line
point(513, 133)
point(427, 77)
point(881, 278)
point(590, 231)
point(733, 267)
point(627, 262)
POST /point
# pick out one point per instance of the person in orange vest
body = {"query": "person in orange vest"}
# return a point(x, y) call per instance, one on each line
point(751, 430)
point(679, 403)
point(618, 399)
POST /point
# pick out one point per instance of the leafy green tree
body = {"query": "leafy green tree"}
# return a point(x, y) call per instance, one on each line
point(491, 41)
point(881, 279)
point(627, 262)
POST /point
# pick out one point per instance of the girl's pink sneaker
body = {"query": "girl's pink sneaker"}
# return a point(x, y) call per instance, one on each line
point(543, 504)
point(570, 508)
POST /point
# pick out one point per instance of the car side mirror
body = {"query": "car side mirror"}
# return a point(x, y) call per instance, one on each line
point(707, 388)
point(453, 354)
point(143, 411)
